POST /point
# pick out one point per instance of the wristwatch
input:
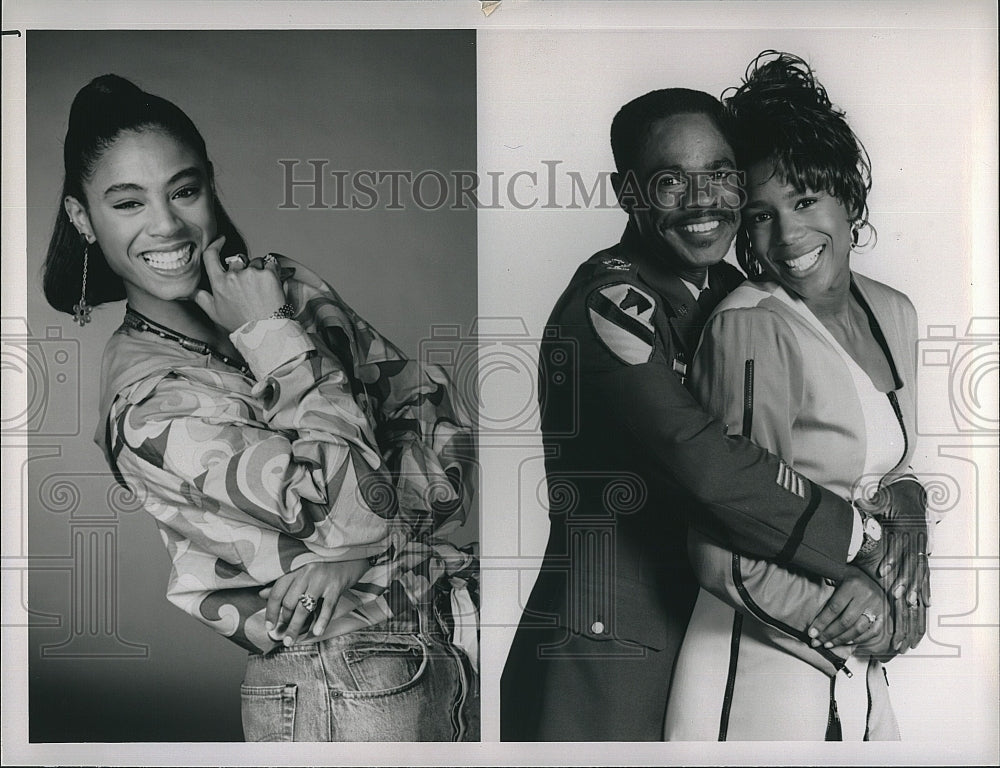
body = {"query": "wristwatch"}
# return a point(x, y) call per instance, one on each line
point(871, 526)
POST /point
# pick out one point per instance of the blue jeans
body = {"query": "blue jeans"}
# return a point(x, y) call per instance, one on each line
point(394, 682)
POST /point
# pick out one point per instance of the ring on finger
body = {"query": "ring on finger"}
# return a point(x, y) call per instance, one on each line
point(269, 259)
point(308, 602)
point(240, 258)
point(870, 615)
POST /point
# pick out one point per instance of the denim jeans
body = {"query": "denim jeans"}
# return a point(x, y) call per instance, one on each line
point(395, 682)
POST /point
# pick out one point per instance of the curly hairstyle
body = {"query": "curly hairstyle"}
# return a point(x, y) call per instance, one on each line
point(782, 113)
point(102, 110)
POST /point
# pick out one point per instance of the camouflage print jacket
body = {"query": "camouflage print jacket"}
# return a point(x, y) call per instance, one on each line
point(340, 449)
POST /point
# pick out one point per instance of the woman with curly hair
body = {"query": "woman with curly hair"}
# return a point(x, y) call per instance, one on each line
point(815, 363)
point(300, 469)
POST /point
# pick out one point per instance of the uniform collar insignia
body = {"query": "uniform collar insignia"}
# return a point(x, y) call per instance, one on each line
point(613, 262)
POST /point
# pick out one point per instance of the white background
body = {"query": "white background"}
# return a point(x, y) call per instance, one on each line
point(918, 82)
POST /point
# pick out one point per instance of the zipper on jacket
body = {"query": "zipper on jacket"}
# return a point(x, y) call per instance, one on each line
point(834, 732)
point(747, 398)
point(894, 401)
point(734, 658)
point(761, 615)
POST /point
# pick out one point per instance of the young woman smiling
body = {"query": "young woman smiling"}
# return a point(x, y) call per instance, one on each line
point(815, 363)
point(301, 470)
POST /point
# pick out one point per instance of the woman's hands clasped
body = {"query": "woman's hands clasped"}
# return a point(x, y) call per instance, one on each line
point(857, 614)
point(309, 592)
point(247, 290)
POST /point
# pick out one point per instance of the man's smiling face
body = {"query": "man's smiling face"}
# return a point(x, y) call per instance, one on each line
point(687, 174)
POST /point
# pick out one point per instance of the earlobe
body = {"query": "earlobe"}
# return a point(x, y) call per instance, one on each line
point(616, 185)
point(80, 219)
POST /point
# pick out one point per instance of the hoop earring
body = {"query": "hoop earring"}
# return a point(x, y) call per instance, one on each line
point(855, 236)
point(755, 271)
point(81, 311)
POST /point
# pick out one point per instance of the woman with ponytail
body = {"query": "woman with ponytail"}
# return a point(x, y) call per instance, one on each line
point(815, 363)
point(301, 470)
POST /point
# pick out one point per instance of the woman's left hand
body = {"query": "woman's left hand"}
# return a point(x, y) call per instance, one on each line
point(856, 613)
point(286, 614)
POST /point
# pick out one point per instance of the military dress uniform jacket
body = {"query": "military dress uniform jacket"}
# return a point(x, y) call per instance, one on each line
point(631, 460)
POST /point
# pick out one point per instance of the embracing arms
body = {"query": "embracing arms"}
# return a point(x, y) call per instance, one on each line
point(750, 370)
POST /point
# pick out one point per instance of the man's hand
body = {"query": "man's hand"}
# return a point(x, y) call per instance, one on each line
point(901, 561)
point(856, 613)
point(286, 616)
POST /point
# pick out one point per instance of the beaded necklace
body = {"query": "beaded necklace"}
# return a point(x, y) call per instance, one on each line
point(139, 322)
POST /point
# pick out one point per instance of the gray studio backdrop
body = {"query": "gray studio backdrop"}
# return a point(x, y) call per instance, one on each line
point(110, 658)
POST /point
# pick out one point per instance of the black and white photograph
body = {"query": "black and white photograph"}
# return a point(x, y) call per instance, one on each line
point(687, 564)
point(532, 383)
point(290, 564)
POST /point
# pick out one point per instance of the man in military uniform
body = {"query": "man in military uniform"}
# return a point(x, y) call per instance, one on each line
point(633, 459)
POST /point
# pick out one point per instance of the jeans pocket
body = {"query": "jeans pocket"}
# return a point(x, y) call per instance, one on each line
point(268, 712)
point(383, 667)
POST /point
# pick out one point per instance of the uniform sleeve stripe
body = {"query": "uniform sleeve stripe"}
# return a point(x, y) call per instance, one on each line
point(799, 531)
point(610, 312)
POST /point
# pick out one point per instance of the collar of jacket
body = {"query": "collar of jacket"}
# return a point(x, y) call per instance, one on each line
point(683, 314)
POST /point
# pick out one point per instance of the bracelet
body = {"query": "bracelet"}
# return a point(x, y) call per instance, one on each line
point(284, 312)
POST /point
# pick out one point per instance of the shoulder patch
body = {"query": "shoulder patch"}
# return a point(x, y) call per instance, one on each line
point(622, 317)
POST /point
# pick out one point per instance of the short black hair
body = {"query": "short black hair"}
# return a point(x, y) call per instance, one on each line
point(632, 123)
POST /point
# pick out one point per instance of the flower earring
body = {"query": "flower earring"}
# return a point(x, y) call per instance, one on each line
point(81, 310)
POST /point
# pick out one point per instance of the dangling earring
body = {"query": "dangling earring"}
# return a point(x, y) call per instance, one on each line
point(749, 261)
point(81, 311)
point(754, 269)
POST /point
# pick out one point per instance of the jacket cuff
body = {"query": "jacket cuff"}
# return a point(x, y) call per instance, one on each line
point(857, 537)
point(270, 343)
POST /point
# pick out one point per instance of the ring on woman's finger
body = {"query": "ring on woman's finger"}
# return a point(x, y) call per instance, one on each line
point(308, 602)
point(269, 260)
point(870, 615)
point(237, 258)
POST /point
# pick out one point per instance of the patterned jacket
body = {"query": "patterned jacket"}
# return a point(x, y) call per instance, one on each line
point(341, 449)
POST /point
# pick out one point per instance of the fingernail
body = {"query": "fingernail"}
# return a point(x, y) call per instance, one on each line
point(813, 632)
point(912, 598)
point(898, 591)
point(828, 644)
point(318, 630)
point(268, 625)
point(814, 643)
point(850, 642)
point(287, 641)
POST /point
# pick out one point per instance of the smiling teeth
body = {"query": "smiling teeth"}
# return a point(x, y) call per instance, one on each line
point(805, 261)
point(701, 227)
point(168, 259)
